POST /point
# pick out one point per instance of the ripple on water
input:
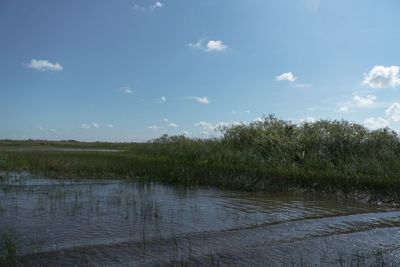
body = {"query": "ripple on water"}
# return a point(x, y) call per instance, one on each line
point(117, 222)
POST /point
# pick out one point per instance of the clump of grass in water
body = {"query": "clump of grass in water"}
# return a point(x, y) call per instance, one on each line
point(9, 255)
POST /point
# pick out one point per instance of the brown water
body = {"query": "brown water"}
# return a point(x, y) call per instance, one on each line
point(124, 223)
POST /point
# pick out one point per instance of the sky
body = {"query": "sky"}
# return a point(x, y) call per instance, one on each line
point(132, 70)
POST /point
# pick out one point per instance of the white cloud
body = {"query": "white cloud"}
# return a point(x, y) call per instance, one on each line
point(376, 123)
point(259, 119)
point(166, 120)
point(308, 120)
point(200, 99)
point(154, 127)
point(344, 108)
point(41, 128)
point(126, 89)
point(90, 125)
point(287, 76)
point(85, 126)
point(161, 100)
point(208, 126)
point(173, 125)
point(382, 77)
point(53, 130)
point(152, 7)
point(44, 65)
point(393, 112)
point(110, 126)
point(156, 5)
point(185, 133)
point(216, 45)
point(248, 111)
point(364, 101)
point(209, 46)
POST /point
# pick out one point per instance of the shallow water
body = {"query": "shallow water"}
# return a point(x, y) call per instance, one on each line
point(114, 223)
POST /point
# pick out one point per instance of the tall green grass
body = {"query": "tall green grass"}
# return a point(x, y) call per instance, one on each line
point(272, 154)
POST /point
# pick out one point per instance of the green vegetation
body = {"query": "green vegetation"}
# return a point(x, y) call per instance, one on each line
point(269, 155)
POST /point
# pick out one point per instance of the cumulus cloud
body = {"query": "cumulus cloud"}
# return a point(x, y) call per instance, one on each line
point(363, 102)
point(287, 76)
point(393, 112)
point(200, 99)
point(376, 123)
point(209, 46)
point(185, 133)
point(44, 65)
point(382, 77)
point(173, 125)
point(166, 120)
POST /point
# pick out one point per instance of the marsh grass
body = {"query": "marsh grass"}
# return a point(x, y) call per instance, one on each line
point(8, 256)
point(269, 155)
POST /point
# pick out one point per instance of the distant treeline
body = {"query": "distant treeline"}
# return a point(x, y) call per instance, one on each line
point(268, 155)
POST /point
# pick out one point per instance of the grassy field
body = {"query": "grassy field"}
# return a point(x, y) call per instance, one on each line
point(271, 155)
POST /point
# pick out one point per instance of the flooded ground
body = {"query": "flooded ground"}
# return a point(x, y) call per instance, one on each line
point(57, 149)
point(125, 223)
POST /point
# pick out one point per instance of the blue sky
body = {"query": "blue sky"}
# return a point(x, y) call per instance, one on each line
point(131, 70)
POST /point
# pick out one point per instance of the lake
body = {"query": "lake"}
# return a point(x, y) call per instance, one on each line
point(136, 223)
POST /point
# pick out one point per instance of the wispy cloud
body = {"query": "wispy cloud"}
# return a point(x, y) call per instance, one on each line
point(110, 126)
point(209, 46)
point(173, 125)
point(382, 77)
point(200, 99)
point(161, 100)
point(126, 89)
point(44, 65)
point(90, 125)
point(151, 7)
point(154, 127)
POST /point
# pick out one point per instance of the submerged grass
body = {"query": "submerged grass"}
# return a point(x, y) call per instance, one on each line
point(272, 154)
point(8, 256)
